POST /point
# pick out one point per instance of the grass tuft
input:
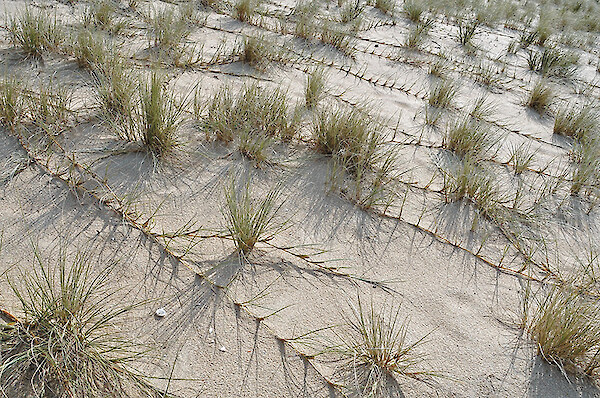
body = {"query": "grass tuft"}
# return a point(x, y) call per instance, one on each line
point(376, 350)
point(413, 9)
point(576, 122)
point(553, 62)
point(12, 101)
point(67, 343)
point(468, 138)
point(315, 88)
point(35, 33)
point(566, 329)
point(442, 94)
point(250, 220)
point(540, 98)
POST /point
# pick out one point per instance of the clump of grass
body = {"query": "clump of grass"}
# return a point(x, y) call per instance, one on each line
point(468, 138)
point(376, 350)
point(89, 51)
point(12, 101)
point(540, 97)
point(35, 33)
point(51, 104)
point(254, 115)
point(101, 15)
point(337, 38)
point(161, 115)
point(385, 6)
point(576, 122)
point(169, 28)
point(250, 220)
point(66, 342)
point(417, 34)
point(439, 67)
point(315, 88)
point(566, 329)
point(521, 158)
point(244, 10)
point(351, 10)
point(468, 181)
point(553, 62)
point(115, 88)
point(349, 137)
point(442, 94)
point(259, 51)
point(587, 170)
point(467, 28)
point(487, 74)
point(413, 10)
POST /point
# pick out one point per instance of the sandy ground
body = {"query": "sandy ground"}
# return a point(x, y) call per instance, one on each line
point(229, 333)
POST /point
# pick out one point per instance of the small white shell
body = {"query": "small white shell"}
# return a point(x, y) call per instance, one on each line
point(223, 349)
point(161, 312)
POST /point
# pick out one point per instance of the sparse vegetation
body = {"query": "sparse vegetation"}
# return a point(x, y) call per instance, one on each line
point(315, 86)
point(12, 101)
point(377, 349)
point(413, 10)
point(576, 122)
point(468, 138)
point(553, 62)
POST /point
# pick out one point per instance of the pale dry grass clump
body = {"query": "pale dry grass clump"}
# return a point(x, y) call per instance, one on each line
point(260, 51)
point(90, 51)
point(376, 353)
point(540, 98)
point(315, 88)
point(576, 122)
point(585, 178)
point(468, 138)
point(67, 341)
point(565, 327)
point(553, 62)
point(115, 88)
point(36, 33)
point(442, 94)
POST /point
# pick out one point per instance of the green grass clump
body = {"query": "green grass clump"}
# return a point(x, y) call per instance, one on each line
point(413, 10)
point(576, 122)
point(376, 350)
point(468, 138)
point(315, 88)
point(467, 29)
point(161, 115)
point(417, 34)
point(442, 94)
point(259, 51)
point(51, 104)
point(540, 98)
point(115, 88)
point(521, 158)
point(250, 220)
point(351, 11)
point(67, 341)
point(35, 33)
point(89, 51)
point(385, 6)
point(566, 330)
point(349, 137)
point(244, 10)
point(468, 181)
point(12, 101)
point(169, 28)
point(585, 177)
point(553, 62)
point(338, 39)
point(254, 109)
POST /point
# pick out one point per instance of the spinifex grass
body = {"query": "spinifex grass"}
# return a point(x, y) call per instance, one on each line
point(566, 329)
point(250, 220)
point(376, 350)
point(442, 94)
point(115, 88)
point(466, 137)
point(67, 342)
